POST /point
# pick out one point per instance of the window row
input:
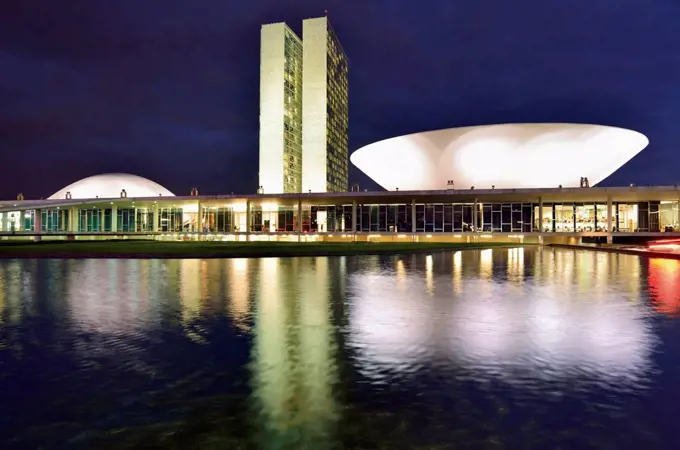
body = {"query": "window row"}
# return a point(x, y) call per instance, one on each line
point(430, 218)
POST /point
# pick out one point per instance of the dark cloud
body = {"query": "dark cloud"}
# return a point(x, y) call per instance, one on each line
point(169, 89)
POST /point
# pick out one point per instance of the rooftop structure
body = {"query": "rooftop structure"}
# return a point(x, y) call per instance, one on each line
point(111, 185)
point(500, 156)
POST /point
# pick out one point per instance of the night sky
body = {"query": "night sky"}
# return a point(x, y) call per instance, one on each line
point(169, 89)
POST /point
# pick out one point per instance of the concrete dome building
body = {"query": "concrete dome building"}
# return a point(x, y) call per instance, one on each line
point(111, 185)
point(508, 156)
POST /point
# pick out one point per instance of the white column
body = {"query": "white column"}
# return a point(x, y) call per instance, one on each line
point(413, 216)
point(154, 225)
point(248, 220)
point(610, 218)
point(101, 220)
point(475, 212)
point(114, 218)
point(73, 220)
point(199, 218)
point(4, 224)
point(540, 215)
point(37, 223)
point(354, 217)
point(299, 220)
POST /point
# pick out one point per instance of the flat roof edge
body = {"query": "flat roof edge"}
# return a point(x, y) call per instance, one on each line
point(9, 205)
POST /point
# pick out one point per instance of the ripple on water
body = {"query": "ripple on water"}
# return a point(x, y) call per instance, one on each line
point(514, 347)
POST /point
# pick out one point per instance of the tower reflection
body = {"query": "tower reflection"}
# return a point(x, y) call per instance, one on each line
point(293, 359)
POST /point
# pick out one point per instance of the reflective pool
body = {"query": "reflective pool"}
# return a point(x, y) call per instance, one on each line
point(503, 348)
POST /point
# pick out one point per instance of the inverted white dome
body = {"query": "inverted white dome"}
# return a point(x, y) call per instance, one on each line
point(110, 185)
point(505, 156)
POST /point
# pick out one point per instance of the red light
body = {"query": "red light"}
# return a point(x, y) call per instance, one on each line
point(668, 247)
point(669, 244)
point(664, 283)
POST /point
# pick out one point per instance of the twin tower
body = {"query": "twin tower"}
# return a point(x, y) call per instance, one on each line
point(303, 109)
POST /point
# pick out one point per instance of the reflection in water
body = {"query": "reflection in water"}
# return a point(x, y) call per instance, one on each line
point(106, 296)
point(457, 272)
point(516, 264)
point(429, 268)
point(664, 284)
point(401, 275)
point(191, 295)
point(506, 345)
point(546, 330)
point(273, 364)
point(14, 285)
point(317, 353)
point(293, 359)
point(485, 264)
point(236, 271)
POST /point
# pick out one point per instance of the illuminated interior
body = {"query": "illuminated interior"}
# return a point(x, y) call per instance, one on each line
point(271, 217)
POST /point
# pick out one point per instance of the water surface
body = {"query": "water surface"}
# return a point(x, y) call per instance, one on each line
point(503, 348)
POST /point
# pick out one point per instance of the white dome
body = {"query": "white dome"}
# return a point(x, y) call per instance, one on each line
point(110, 185)
point(505, 156)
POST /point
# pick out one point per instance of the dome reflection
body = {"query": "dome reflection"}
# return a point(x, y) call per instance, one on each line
point(550, 328)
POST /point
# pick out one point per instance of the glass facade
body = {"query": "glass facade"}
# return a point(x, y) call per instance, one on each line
point(143, 220)
point(575, 217)
point(125, 220)
point(461, 217)
point(91, 220)
point(23, 221)
point(171, 220)
point(219, 220)
point(502, 217)
point(337, 122)
point(511, 217)
point(327, 219)
point(292, 114)
point(54, 220)
point(668, 216)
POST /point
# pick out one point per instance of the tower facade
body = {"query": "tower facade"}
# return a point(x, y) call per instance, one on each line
point(325, 109)
point(303, 109)
point(280, 168)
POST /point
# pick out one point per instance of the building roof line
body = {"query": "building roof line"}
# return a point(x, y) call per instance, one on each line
point(332, 30)
point(21, 205)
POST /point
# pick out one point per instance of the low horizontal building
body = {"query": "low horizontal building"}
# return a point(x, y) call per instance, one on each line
point(526, 215)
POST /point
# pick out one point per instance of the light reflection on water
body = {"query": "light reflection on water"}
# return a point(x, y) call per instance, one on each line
point(502, 327)
point(517, 346)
